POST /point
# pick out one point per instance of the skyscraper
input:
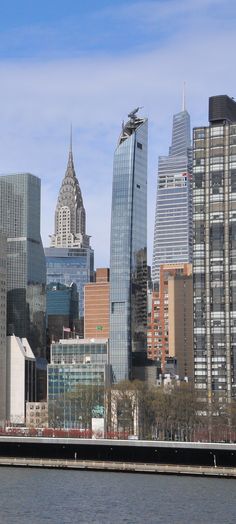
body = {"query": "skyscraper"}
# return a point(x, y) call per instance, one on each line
point(214, 255)
point(3, 323)
point(26, 270)
point(70, 257)
point(70, 216)
point(173, 217)
point(128, 260)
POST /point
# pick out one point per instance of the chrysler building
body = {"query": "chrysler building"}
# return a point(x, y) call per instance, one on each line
point(70, 216)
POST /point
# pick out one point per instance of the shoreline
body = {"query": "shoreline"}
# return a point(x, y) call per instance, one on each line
point(125, 467)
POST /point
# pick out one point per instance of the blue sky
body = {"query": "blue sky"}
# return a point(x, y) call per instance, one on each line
point(90, 63)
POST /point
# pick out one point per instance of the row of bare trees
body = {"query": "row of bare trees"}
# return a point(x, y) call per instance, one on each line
point(133, 408)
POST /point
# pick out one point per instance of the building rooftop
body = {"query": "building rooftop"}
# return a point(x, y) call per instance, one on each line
point(222, 108)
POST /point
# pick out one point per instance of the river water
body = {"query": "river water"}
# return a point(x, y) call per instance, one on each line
point(32, 496)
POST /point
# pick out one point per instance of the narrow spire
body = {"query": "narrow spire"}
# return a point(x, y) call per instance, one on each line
point(184, 98)
point(70, 164)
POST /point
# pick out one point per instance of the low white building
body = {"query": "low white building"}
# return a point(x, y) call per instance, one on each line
point(21, 379)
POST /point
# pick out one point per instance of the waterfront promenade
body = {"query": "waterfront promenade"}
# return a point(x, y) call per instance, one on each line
point(126, 467)
point(179, 458)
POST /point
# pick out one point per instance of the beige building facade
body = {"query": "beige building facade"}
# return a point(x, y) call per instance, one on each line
point(97, 306)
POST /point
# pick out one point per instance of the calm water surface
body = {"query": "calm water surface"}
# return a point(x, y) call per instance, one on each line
point(60, 497)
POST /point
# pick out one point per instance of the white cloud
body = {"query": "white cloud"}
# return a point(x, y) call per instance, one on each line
point(39, 100)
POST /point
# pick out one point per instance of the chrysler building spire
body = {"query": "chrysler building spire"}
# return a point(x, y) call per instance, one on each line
point(70, 216)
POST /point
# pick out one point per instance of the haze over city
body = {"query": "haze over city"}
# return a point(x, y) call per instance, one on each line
point(90, 65)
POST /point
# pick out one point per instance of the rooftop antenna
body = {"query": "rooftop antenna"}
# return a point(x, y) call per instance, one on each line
point(184, 97)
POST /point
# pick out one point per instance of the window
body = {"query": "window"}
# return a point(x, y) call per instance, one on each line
point(139, 145)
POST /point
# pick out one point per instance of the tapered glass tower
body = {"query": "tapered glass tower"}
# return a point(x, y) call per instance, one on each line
point(173, 218)
point(128, 260)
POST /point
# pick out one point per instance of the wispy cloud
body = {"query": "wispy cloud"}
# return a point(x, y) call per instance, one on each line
point(114, 29)
point(41, 98)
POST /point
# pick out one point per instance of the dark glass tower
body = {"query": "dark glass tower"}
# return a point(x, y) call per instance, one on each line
point(173, 218)
point(26, 269)
point(128, 259)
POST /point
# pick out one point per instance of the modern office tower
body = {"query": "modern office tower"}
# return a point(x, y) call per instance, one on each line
point(75, 364)
point(26, 269)
point(128, 260)
point(62, 310)
point(214, 255)
point(173, 217)
point(67, 265)
point(97, 306)
point(180, 306)
point(3, 325)
point(21, 378)
point(70, 257)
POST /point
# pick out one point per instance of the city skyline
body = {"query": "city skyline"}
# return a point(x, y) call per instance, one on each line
point(46, 84)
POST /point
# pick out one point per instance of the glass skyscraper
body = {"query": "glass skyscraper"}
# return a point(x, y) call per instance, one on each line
point(173, 218)
point(128, 258)
point(26, 269)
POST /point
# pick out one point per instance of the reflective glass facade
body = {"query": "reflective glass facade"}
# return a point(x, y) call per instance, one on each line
point(26, 269)
point(173, 218)
point(214, 260)
point(128, 258)
point(74, 364)
point(67, 265)
point(62, 310)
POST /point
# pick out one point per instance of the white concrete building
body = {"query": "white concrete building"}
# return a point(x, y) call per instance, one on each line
point(21, 381)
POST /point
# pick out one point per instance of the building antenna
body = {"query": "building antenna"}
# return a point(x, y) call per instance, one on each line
point(184, 97)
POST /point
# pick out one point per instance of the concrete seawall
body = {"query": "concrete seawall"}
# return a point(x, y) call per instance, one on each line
point(126, 467)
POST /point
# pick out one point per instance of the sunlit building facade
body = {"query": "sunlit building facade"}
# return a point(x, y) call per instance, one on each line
point(173, 217)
